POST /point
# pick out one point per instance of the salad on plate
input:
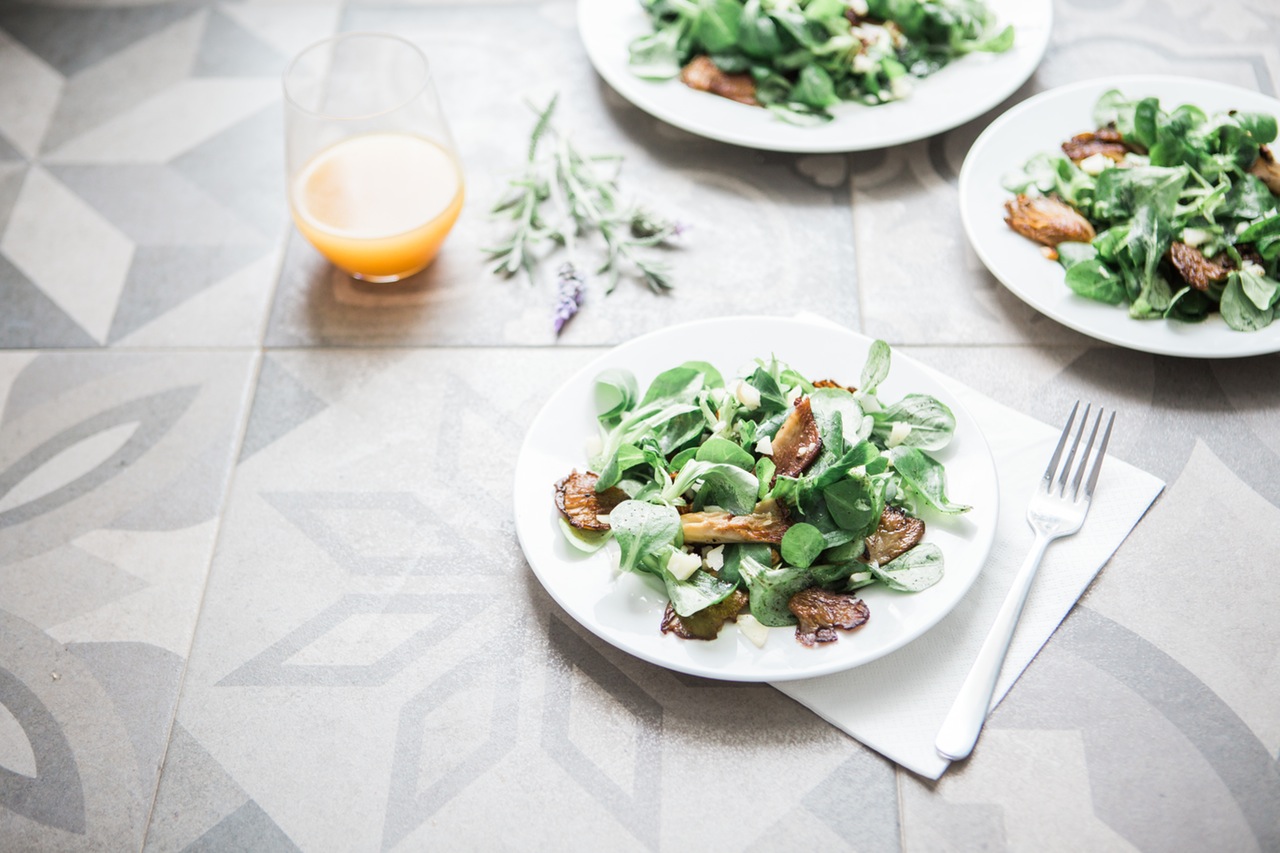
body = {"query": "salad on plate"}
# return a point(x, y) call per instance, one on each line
point(767, 500)
point(1172, 213)
point(800, 58)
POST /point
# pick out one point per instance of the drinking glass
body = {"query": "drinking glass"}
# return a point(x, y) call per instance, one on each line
point(374, 179)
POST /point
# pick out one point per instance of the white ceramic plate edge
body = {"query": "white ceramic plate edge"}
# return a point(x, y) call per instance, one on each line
point(705, 117)
point(843, 655)
point(1111, 324)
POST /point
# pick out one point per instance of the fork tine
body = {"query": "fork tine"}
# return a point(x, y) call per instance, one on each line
point(1084, 460)
point(1071, 455)
point(1057, 452)
point(1097, 462)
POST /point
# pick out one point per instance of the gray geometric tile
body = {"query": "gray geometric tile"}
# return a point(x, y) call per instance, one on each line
point(25, 585)
point(243, 168)
point(194, 795)
point(1218, 734)
point(142, 681)
point(280, 404)
point(248, 828)
point(1086, 743)
point(271, 668)
point(874, 824)
point(159, 414)
point(192, 497)
point(410, 802)
point(123, 80)
point(636, 805)
point(11, 177)
point(9, 154)
point(54, 797)
point(155, 206)
point(48, 376)
point(412, 537)
point(229, 50)
point(163, 277)
point(89, 791)
point(154, 415)
point(72, 39)
point(31, 319)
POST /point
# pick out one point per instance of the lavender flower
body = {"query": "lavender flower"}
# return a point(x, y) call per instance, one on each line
point(571, 289)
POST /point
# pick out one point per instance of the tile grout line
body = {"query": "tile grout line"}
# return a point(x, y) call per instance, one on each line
point(247, 400)
point(282, 244)
point(902, 823)
point(857, 253)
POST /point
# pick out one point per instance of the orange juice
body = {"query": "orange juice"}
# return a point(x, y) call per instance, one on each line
point(380, 205)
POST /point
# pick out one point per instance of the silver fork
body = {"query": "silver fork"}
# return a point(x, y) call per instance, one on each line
point(1057, 509)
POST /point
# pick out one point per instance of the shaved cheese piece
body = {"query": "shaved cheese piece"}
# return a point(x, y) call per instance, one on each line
point(747, 395)
point(753, 629)
point(682, 564)
point(898, 434)
point(714, 558)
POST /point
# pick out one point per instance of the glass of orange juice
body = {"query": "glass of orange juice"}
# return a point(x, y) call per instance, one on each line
point(374, 179)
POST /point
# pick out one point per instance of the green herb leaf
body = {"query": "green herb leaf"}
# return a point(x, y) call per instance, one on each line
point(876, 367)
point(643, 529)
point(801, 544)
point(916, 570)
point(926, 477)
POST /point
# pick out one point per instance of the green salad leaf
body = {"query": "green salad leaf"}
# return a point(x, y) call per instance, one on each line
point(804, 57)
point(707, 512)
point(1186, 226)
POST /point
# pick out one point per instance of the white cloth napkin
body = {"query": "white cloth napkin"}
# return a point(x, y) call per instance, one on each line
point(896, 704)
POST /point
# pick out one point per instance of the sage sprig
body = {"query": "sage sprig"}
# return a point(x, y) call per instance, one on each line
point(563, 199)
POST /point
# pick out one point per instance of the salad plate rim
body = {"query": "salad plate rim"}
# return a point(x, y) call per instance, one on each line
point(1039, 282)
point(538, 533)
point(895, 123)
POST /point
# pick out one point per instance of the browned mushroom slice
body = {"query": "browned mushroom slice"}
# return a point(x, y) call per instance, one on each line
point(896, 534)
point(821, 612)
point(1267, 169)
point(580, 503)
point(1108, 142)
point(766, 524)
point(797, 442)
point(705, 76)
point(1047, 220)
point(706, 623)
point(1195, 269)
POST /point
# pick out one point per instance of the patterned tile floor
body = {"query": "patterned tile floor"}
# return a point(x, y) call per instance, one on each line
point(259, 585)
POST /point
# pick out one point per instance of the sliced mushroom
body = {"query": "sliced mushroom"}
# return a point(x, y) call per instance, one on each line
point(1047, 220)
point(821, 612)
point(1267, 169)
point(766, 524)
point(797, 442)
point(705, 76)
point(706, 623)
point(896, 534)
point(580, 503)
point(1106, 141)
point(1195, 269)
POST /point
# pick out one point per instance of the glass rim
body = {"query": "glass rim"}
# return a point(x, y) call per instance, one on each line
point(334, 39)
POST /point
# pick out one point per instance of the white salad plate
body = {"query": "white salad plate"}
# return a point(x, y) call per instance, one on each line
point(626, 609)
point(1041, 124)
point(959, 92)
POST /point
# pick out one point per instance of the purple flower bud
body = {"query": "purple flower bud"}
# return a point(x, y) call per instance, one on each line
point(571, 289)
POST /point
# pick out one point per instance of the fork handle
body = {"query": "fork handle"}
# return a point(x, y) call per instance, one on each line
point(960, 729)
